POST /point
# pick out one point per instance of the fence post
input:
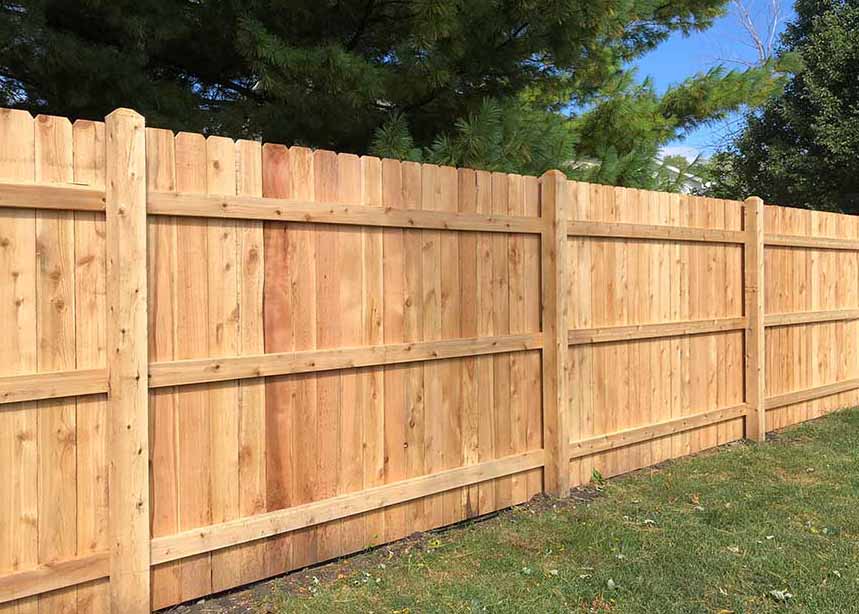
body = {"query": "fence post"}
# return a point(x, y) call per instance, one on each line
point(755, 340)
point(128, 361)
point(553, 253)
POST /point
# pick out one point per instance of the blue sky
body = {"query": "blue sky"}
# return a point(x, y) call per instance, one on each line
point(681, 57)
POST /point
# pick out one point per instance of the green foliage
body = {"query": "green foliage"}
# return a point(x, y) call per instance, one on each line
point(722, 179)
point(615, 140)
point(510, 85)
point(324, 73)
point(801, 148)
point(393, 140)
point(628, 123)
point(498, 137)
point(669, 180)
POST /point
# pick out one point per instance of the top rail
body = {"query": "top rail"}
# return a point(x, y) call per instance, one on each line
point(77, 197)
point(73, 197)
point(616, 230)
point(257, 208)
point(811, 242)
point(620, 230)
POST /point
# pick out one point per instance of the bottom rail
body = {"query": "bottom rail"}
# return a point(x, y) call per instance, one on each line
point(628, 437)
point(54, 576)
point(63, 574)
point(810, 394)
point(251, 528)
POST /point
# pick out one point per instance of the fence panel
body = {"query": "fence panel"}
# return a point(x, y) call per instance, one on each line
point(54, 483)
point(812, 295)
point(656, 326)
point(328, 433)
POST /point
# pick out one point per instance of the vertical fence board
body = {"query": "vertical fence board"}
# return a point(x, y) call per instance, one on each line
point(532, 387)
point(281, 421)
point(716, 219)
point(161, 265)
point(252, 449)
point(774, 302)
point(718, 342)
point(729, 431)
point(602, 294)
point(685, 292)
point(223, 339)
point(699, 345)
point(648, 312)
point(624, 280)
point(57, 429)
point(304, 279)
point(451, 328)
point(673, 444)
point(413, 331)
point(486, 425)
point(396, 416)
point(469, 383)
point(372, 317)
point(582, 385)
point(431, 287)
point(516, 293)
point(193, 411)
point(90, 350)
point(815, 274)
point(338, 321)
point(501, 326)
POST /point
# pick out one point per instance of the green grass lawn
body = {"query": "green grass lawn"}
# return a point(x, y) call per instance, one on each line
point(748, 528)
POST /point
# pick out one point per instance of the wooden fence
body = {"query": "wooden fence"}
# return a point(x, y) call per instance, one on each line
point(220, 361)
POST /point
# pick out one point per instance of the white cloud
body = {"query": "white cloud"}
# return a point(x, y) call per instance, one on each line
point(690, 153)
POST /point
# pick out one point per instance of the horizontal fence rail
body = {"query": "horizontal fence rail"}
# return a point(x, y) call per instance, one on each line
point(80, 198)
point(68, 197)
point(219, 369)
point(810, 394)
point(811, 242)
point(629, 437)
point(811, 317)
point(52, 385)
point(329, 213)
point(654, 331)
point(656, 232)
point(225, 360)
point(51, 577)
point(38, 386)
point(229, 534)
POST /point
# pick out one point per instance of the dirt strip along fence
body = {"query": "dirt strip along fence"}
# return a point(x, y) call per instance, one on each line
point(221, 361)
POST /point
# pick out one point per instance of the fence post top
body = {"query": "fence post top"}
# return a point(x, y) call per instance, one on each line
point(554, 173)
point(124, 112)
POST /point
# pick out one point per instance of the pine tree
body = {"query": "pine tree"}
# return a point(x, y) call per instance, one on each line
point(629, 122)
point(487, 83)
point(614, 141)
